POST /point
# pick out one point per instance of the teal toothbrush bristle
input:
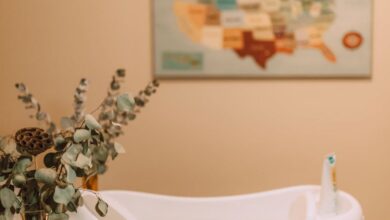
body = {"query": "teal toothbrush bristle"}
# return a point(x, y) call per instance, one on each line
point(331, 159)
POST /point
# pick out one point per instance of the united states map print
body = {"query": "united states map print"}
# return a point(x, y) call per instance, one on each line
point(262, 38)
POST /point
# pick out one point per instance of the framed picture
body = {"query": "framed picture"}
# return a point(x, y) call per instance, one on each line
point(262, 38)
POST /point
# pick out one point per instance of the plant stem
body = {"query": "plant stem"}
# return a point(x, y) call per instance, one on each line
point(35, 162)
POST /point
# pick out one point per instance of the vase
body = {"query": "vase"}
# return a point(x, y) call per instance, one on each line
point(91, 183)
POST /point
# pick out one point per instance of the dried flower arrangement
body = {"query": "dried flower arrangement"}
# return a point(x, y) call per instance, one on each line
point(81, 148)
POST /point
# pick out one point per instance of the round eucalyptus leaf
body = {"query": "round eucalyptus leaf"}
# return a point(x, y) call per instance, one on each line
point(81, 135)
point(71, 153)
point(77, 198)
point(7, 197)
point(131, 116)
point(19, 180)
point(7, 215)
point(119, 148)
point(83, 161)
point(125, 103)
point(110, 115)
point(58, 216)
point(71, 207)
point(46, 175)
point(22, 165)
point(109, 101)
point(21, 87)
point(100, 153)
point(91, 122)
point(115, 85)
point(40, 116)
point(59, 143)
point(101, 207)
point(63, 195)
point(121, 72)
point(101, 168)
point(80, 201)
point(71, 174)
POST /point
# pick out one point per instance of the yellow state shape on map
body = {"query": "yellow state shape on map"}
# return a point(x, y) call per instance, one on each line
point(244, 2)
point(191, 18)
point(255, 20)
point(212, 36)
point(197, 14)
point(311, 37)
point(263, 33)
point(314, 36)
point(271, 5)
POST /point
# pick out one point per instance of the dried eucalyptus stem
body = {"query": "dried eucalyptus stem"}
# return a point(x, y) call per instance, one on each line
point(117, 110)
point(31, 103)
point(81, 149)
point(143, 96)
point(79, 101)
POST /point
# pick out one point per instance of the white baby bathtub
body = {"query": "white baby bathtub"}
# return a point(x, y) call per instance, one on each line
point(294, 203)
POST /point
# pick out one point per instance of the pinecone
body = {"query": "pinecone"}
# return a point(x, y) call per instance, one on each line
point(32, 141)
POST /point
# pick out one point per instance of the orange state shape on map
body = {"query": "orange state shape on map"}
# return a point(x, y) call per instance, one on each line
point(197, 14)
point(285, 44)
point(191, 18)
point(316, 41)
point(195, 34)
point(327, 52)
point(260, 50)
point(213, 16)
point(233, 38)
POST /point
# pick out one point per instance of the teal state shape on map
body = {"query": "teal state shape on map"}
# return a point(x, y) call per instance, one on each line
point(226, 4)
point(182, 61)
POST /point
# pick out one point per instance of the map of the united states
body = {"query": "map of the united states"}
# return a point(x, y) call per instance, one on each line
point(257, 28)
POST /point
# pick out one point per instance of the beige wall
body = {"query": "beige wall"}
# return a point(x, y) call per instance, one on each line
point(204, 137)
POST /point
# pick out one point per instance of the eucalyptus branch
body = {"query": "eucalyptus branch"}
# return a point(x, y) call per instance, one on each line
point(82, 148)
point(31, 103)
point(111, 117)
point(79, 101)
point(113, 91)
point(8, 182)
point(143, 96)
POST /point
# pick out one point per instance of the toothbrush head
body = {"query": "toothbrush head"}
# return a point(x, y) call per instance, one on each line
point(332, 159)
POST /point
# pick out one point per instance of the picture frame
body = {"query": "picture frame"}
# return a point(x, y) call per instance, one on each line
point(245, 39)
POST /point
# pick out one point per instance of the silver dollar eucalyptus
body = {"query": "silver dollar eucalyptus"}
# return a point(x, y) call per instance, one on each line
point(81, 148)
